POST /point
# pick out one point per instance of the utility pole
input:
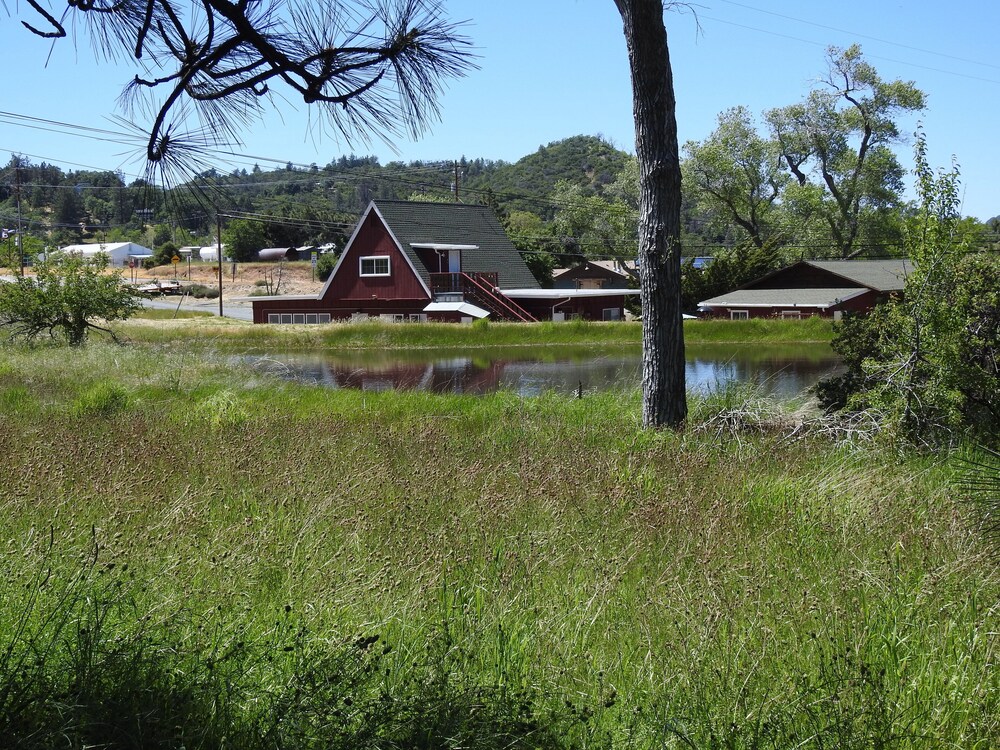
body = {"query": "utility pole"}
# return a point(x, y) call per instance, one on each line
point(218, 242)
point(20, 242)
point(456, 182)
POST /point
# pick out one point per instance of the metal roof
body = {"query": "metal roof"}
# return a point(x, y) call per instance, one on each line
point(93, 248)
point(881, 275)
point(819, 298)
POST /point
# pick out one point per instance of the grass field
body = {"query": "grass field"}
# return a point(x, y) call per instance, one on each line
point(229, 333)
point(198, 556)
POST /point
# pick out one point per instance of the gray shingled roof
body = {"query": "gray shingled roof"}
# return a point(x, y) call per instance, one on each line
point(821, 298)
point(458, 224)
point(880, 275)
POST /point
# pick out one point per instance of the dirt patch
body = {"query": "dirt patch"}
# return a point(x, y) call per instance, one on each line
point(248, 279)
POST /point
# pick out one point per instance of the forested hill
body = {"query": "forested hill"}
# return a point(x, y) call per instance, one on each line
point(317, 202)
point(585, 161)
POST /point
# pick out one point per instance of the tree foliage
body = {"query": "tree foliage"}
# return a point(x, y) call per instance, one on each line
point(928, 362)
point(325, 265)
point(599, 227)
point(243, 239)
point(65, 298)
point(537, 242)
point(729, 270)
point(738, 174)
point(836, 144)
point(373, 68)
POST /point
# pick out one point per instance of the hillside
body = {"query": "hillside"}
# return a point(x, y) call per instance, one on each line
point(305, 204)
point(525, 185)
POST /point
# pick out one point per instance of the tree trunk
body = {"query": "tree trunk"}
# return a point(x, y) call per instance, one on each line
point(664, 401)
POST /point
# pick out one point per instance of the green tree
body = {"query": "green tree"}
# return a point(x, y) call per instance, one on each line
point(164, 253)
point(66, 296)
point(729, 269)
point(837, 145)
point(69, 212)
point(325, 265)
point(243, 239)
point(601, 227)
point(737, 175)
point(535, 240)
point(927, 364)
point(160, 234)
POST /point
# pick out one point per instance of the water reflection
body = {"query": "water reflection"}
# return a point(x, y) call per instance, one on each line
point(780, 371)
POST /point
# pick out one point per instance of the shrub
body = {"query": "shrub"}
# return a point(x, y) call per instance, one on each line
point(66, 297)
point(929, 362)
point(200, 291)
point(325, 265)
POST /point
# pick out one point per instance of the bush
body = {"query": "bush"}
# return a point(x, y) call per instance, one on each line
point(200, 291)
point(164, 254)
point(65, 297)
point(325, 265)
point(928, 362)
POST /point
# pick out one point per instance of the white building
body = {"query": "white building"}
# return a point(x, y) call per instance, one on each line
point(119, 253)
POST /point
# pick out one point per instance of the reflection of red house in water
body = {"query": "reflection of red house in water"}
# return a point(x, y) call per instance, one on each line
point(459, 375)
point(435, 261)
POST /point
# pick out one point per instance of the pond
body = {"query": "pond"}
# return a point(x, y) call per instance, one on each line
point(780, 371)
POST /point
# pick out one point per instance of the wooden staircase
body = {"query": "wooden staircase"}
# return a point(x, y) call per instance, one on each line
point(481, 290)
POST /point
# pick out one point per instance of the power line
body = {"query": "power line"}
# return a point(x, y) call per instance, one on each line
point(875, 57)
point(859, 35)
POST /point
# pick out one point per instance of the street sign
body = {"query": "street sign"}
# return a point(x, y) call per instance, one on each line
point(175, 260)
point(315, 256)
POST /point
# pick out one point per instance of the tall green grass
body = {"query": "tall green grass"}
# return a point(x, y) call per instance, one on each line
point(212, 559)
point(375, 334)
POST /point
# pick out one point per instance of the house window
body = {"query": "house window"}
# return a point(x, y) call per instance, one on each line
point(739, 314)
point(375, 265)
point(287, 318)
point(611, 313)
point(792, 314)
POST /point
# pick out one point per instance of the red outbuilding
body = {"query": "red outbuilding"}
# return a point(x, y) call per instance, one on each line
point(827, 288)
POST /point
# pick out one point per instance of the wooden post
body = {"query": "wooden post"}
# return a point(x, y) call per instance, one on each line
point(218, 242)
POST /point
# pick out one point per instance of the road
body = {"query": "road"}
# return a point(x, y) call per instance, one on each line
point(234, 310)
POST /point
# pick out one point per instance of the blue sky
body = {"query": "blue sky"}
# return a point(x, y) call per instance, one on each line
point(550, 69)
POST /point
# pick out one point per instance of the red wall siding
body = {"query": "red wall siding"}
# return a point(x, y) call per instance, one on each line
point(348, 286)
point(337, 310)
point(588, 308)
point(801, 277)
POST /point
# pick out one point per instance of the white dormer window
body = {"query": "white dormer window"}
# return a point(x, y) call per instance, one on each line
point(375, 265)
